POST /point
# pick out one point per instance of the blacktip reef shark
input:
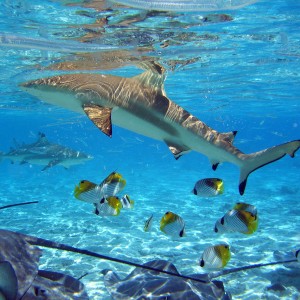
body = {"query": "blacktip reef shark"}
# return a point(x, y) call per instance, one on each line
point(141, 105)
point(43, 152)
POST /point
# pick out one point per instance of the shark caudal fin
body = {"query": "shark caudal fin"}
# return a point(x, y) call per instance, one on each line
point(256, 160)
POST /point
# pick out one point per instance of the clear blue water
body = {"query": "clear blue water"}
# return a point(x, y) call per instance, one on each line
point(245, 77)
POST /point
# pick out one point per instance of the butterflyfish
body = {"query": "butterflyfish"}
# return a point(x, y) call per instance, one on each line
point(237, 221)
point(88, 192)
point(208, 187)
point(112, 184)
point(110, 206)
point(246, 207)
point(215, 257)
point(127, 203)
point(148, 223)
point(172, 224)
point(92, 193)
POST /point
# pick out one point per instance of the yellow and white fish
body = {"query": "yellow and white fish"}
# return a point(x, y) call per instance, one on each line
point(208, 187)
point(148, 223)
point(172, 224)
point(237, 221)
point(215, 257)
point(127, 203)
point(92, 193)
point(246, 207)
point(88, 191)
point(110, 206)
point(112, 184)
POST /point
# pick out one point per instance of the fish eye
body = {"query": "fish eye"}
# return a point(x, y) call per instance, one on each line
point(226, 246)
point(202, 263)
point(216, 229)
point(167, 213)
point(82, 181)
point(222, 221)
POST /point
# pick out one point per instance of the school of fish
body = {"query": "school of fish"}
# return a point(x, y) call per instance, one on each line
point(242, 218)
point(103, 195)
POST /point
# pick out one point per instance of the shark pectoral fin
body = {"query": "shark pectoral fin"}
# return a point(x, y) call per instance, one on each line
point(8, 281)
point(100, 116)
point(177, 150)
point(51, 164)
point(254, 161)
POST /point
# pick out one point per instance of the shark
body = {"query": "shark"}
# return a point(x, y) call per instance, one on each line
point(43, 152)
point(140, 104)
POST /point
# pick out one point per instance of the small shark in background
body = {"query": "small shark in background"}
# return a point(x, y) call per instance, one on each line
point(42, 152)
point(141, 105)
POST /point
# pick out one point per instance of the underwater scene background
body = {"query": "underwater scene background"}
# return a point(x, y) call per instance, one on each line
point(234, 70)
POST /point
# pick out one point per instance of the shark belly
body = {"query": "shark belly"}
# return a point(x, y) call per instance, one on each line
point(57, 98)
point(214, 152)
point(159, 131)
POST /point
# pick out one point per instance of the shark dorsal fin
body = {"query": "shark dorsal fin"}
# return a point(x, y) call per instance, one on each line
point(42, 137)
point(154, 77)
point(229, 136)
point(101, 117)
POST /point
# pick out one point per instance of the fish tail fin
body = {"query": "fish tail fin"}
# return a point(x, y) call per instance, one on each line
point(254, 161)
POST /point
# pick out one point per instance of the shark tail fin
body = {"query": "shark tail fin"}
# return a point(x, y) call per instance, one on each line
point(254, 161)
